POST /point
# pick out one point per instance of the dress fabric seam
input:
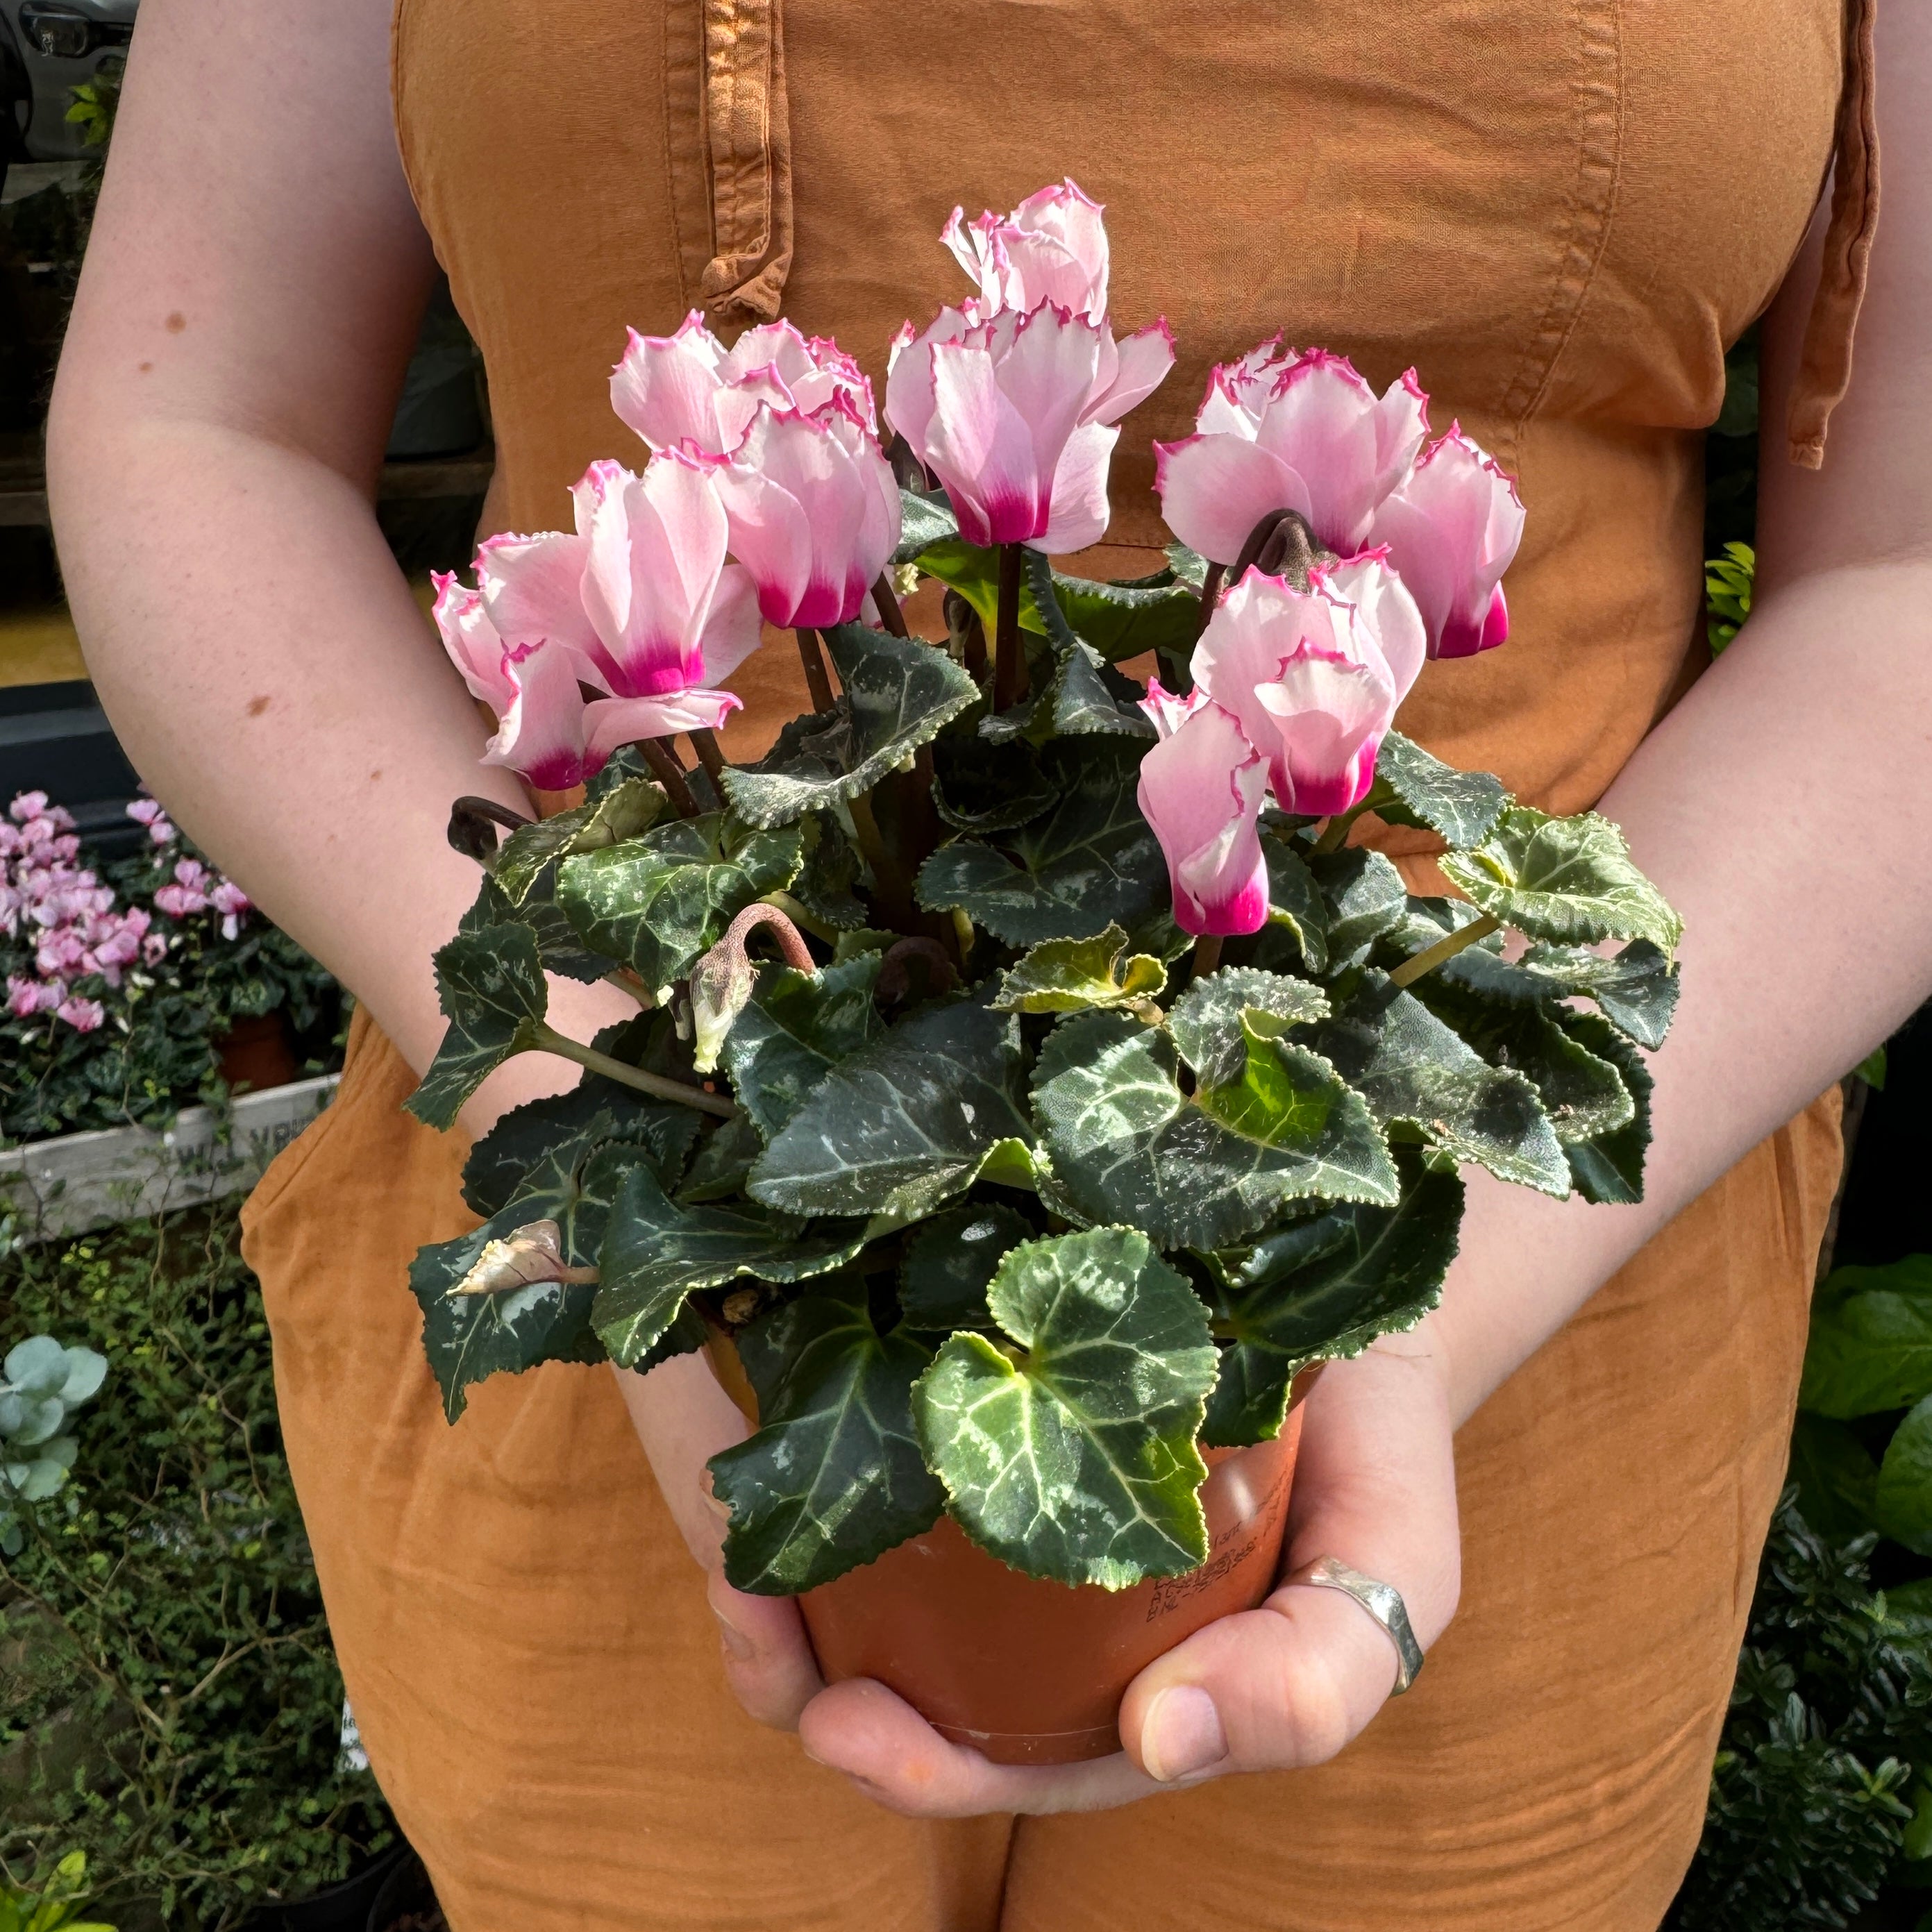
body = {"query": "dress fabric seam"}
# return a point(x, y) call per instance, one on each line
point(1589, 216)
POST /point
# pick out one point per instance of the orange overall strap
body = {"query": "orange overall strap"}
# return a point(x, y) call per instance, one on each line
point(1826, 369)
point(748, 139)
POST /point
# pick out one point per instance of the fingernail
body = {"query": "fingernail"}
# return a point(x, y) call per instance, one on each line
point(1181, 1734)
point(741, 1647)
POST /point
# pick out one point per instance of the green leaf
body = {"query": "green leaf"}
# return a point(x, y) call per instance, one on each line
point(469, 1337)
point(950, 1260)
point(1569, 879)
point(1414, 1071)
point(659, 901)
point(1208, 1020)
point(559, 949)
point(657, 1251)
point(1413, 788)
point(1836, 1480)
point(596, 1110)
point(1871, 1340)
point(1325, 1288)
point(924, 519)
point(898, 693)
point(490, 985)
point(1077, 1461)
point(1068, 976)
point(1608, 1168)
point(1127, 1145)
point(37, 1366)
point(902, 1124)
point(832, 868)
point(634, 807)
point(1091, 696)
point(1871, 1069)
point(1635, 988)
point(797, 1027)
point(985, 788)
point(1362, 895)
point(1902, 1505)
point(1295, 902)
point(1092, 862)
point(834, 1476)
point(1584, 1095)
point(723, 1161)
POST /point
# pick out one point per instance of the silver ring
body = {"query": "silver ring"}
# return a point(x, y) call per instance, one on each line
point(1383, 1601)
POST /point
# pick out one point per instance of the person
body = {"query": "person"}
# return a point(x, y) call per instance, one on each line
point(1561, 216)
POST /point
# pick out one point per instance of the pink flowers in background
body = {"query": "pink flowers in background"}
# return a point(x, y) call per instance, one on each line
point(1279, 430)
point(1294, 692)
point(1012, 397)
point(71, 919)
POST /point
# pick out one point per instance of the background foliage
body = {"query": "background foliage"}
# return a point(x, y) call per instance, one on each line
point(169, 1700)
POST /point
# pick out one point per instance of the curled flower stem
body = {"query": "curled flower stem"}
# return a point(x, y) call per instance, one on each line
point(895, 973)
point(791, 943)
point(705, 744)
point(1207, 953)
point(890, 615)
point(669, 773)
point(548, 1039)
point(813, 658)
point(1412, 968)
point(470, 819)
point(1009, 671)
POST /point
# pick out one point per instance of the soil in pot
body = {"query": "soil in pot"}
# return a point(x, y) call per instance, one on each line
point(256, 1053)
point(1030, 1671)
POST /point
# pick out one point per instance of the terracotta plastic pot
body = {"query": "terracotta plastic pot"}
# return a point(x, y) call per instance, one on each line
point(1030, 1672)
point(256, 1052)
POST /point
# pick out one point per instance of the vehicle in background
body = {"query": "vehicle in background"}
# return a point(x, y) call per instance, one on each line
point(60, 44)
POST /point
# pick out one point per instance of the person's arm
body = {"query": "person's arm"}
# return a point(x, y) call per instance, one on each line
point(1785, 808)
point(252, 292)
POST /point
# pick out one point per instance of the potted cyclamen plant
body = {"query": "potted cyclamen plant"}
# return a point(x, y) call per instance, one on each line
point(1097, 1088)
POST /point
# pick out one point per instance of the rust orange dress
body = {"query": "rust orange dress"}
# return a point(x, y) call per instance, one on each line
point(1561, 214)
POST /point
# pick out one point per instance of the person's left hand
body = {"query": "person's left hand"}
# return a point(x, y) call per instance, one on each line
point(1273, 1689)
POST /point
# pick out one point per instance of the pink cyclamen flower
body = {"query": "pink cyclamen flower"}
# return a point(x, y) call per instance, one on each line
point(83, 1015)
point(1200, 790)
point(1304, 433)
point(1051, 252)
point(232, 903)
point(27, 805)
point(813, 512)
point(1279, 430)
point(991, 408)
point(151, 812)
point(1315, 676)
point(153, 949)
point(1452, 527)
point(638, 603)
point(689, 389)
point(25, 997)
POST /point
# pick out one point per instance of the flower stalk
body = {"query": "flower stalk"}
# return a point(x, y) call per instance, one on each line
point(669, 773)
point(548, 1039)
point(886, 599)
point(813, 658)
point(1009, 671)
point(1417, 964)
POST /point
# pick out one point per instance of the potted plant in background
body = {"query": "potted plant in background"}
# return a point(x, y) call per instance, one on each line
point(1095, 1088)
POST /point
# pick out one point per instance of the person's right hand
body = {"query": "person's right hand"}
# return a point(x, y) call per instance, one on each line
point(683, 1418)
